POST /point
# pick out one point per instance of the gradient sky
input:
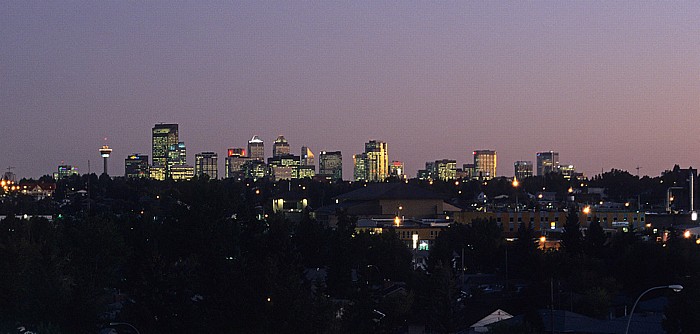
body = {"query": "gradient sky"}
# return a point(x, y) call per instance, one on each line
point(608, 84)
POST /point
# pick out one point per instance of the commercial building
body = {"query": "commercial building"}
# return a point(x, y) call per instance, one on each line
point(256, 149)
point(523, 169)
point(377, 160)
point(330, 165)
point(235, 159)
point(359, 162)
point(547, 162)
point(136, 166)
point(485, 163)
point(280, 147)
point(163, 136)
point(397, 170)
point(206, 163)
point(284, 167)
point(181, 172)
point(307, 157)
point(65, 171)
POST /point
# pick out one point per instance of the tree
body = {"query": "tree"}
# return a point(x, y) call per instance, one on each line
point(571, 239)
point(595, 239)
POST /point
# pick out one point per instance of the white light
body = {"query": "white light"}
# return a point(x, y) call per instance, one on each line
point(694, 216)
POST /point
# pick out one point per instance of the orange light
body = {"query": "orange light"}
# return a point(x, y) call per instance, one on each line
point(587, 210)
point(543, 239)
point(515, 183)
point(397, 221)
point(686, 234)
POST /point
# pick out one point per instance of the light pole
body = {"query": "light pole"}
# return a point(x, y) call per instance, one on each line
point(515, 186)
point(674, 287)
point(124, 324)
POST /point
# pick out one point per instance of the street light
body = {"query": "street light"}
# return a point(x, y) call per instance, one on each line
point(124, 324)
point(674, 287)
point(515, 186)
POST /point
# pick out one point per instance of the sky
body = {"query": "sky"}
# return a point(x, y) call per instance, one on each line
point(607, 84)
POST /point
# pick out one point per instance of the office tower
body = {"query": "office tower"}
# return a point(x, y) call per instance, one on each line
point(280, 147)
point(307, 157)
point(284, 167)
point(469, 171)
point(163, 136)
point(181, 172)
point(377, 160)
point(359, 162)
point(547, 162)
point(330, 165)
point(523, 169)
point(568, 171)
point(428, 173)
point(177, 154)
point(136, 166)
point(256, 149)
point(65, 171)
point(255, 169)
point(485, 164)
point(445, 169)
point(206, 163)
point(397, 170)
point(235, 159)
point(105, 151)
point(306, 172)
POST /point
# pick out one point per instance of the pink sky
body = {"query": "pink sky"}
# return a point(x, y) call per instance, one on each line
point(607, 84)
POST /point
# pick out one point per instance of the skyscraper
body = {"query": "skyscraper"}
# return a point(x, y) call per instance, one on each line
point(206, 163)
point(235, 159)
point(307, 157)
point(177, 154)
point(397, 170)
point(330, 165)
point(485, 163)
point(377, 160)
point(136, 166)
point(446, 169)
point(547, 162)
point(256, 149)
point(359, 162)
point(523, 169)
point(163, 136)
point(105, 151)
point(280, 147)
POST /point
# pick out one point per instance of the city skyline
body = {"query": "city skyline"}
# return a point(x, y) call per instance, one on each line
point(607, 85)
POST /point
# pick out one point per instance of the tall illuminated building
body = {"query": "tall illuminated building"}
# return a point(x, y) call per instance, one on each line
point(330, 165)
point(280, 147)
point(177, 154)
point(359, 162)
point(206, 163)
point(547, 162)
point(256, 149)
point(485, 164)
point(105, 151)
point(307, 157)
point(377, 160)
point(445, 169)
point(235, 158)
point(284, 167)
point(397, 170)
point(136, 166)
point(65, 171)
point(523, 169)
point(163, 136)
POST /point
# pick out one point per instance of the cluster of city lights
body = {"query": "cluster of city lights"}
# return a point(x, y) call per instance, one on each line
point(9, 185)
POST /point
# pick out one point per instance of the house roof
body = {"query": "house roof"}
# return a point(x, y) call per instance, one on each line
point(378, 191)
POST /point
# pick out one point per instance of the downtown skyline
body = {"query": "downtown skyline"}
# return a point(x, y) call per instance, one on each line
point(607, 85)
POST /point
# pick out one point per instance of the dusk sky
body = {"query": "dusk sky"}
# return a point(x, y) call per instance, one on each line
point(607, 84)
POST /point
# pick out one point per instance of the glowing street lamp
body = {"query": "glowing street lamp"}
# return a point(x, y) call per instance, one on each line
point(587, 209)
point(674, 287)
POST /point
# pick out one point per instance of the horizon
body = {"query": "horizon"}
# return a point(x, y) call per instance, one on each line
point(607, 85)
